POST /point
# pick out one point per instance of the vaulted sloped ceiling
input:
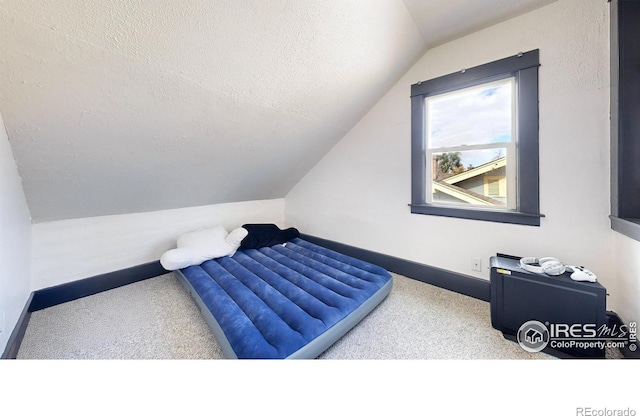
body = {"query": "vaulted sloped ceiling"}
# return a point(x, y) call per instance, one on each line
point(117, 106)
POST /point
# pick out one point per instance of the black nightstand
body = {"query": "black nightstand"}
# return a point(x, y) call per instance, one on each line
point(518, 296)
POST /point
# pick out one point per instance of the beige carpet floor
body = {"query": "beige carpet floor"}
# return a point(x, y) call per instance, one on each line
point(424, 350)
point(157, 319)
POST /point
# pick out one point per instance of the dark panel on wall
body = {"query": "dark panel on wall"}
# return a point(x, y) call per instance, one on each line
point(625, 107)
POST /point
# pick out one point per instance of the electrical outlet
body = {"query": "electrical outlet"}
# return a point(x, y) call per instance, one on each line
point(476, 264)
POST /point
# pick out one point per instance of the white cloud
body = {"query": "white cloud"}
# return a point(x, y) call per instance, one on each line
point(477, 115)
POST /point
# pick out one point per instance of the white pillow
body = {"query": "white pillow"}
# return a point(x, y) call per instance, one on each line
point(179, 258)
point(199, 246)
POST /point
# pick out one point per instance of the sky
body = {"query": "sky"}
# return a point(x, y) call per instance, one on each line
point(476, 115)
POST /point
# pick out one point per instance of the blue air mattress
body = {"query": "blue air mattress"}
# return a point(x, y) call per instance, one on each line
point(291, 301)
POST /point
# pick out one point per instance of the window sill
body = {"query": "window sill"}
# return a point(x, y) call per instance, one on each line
point(626, 226)
point(508, 217)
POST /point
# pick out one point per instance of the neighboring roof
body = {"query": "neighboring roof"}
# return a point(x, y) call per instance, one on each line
point(477, 171)
point(465, 194)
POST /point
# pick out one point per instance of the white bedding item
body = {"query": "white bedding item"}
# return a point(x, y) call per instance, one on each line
point(199, 246)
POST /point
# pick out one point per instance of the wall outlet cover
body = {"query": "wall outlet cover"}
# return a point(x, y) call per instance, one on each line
point(476, 264)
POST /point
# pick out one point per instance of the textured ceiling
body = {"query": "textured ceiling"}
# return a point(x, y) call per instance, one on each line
point(443, 20)
point(116, 106)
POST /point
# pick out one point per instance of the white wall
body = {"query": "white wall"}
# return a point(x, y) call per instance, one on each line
point(358, 193)
point(15, 241)
point(69, 250)
point(627, 283)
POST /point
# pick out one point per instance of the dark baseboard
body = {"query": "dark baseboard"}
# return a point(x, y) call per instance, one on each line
point(457, 282)
point(13, 345)
point(66, 292)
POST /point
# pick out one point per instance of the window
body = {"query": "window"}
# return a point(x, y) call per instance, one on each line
point(495, 186)
point(474, 138)
point(625, 124)
point(471, 135)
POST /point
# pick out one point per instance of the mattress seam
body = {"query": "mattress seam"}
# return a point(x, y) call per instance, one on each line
point(266, 304)
point(338, 260)
point(331, 277)
point(240, 307)
point(306, 277)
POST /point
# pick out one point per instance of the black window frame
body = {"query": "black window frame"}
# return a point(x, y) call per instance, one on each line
point(524, 68)
point(625, 124)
